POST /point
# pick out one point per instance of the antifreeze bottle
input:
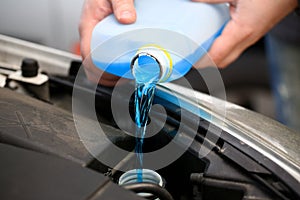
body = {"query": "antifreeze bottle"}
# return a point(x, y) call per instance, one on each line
point(168, 37)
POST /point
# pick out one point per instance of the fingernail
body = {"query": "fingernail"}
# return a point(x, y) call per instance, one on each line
point(126, 15)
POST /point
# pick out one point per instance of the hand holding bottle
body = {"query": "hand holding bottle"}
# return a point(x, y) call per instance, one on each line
point(250, 20)
point(94, 11)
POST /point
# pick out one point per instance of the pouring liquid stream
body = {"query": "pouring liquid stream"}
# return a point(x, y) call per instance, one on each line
point(144, 94)
point(146, 77)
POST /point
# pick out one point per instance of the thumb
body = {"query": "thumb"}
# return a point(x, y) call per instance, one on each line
point(124, 11)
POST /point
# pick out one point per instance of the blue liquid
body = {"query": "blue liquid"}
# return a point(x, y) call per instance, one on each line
point(144, 93)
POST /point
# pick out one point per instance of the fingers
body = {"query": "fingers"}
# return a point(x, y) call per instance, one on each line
point(234, 39)
point(124, 11)
point(95, 75)
point(85, 38)
point(92, 12)
point(250, 20)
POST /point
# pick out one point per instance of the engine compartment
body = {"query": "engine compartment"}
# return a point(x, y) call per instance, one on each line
point(225, 173)
point(38, 128)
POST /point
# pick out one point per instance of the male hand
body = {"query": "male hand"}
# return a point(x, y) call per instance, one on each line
point(250, 20)
point(94, 11)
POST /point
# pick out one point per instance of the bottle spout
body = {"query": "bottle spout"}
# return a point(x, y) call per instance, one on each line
point(146, 68)
point(151, 64)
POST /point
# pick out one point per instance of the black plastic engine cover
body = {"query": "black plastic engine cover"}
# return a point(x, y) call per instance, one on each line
point(32, 124)
point(26, 174)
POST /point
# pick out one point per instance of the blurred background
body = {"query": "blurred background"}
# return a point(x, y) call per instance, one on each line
point(54, 23)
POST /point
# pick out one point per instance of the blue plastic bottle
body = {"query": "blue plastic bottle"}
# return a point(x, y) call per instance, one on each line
point(168, 37)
